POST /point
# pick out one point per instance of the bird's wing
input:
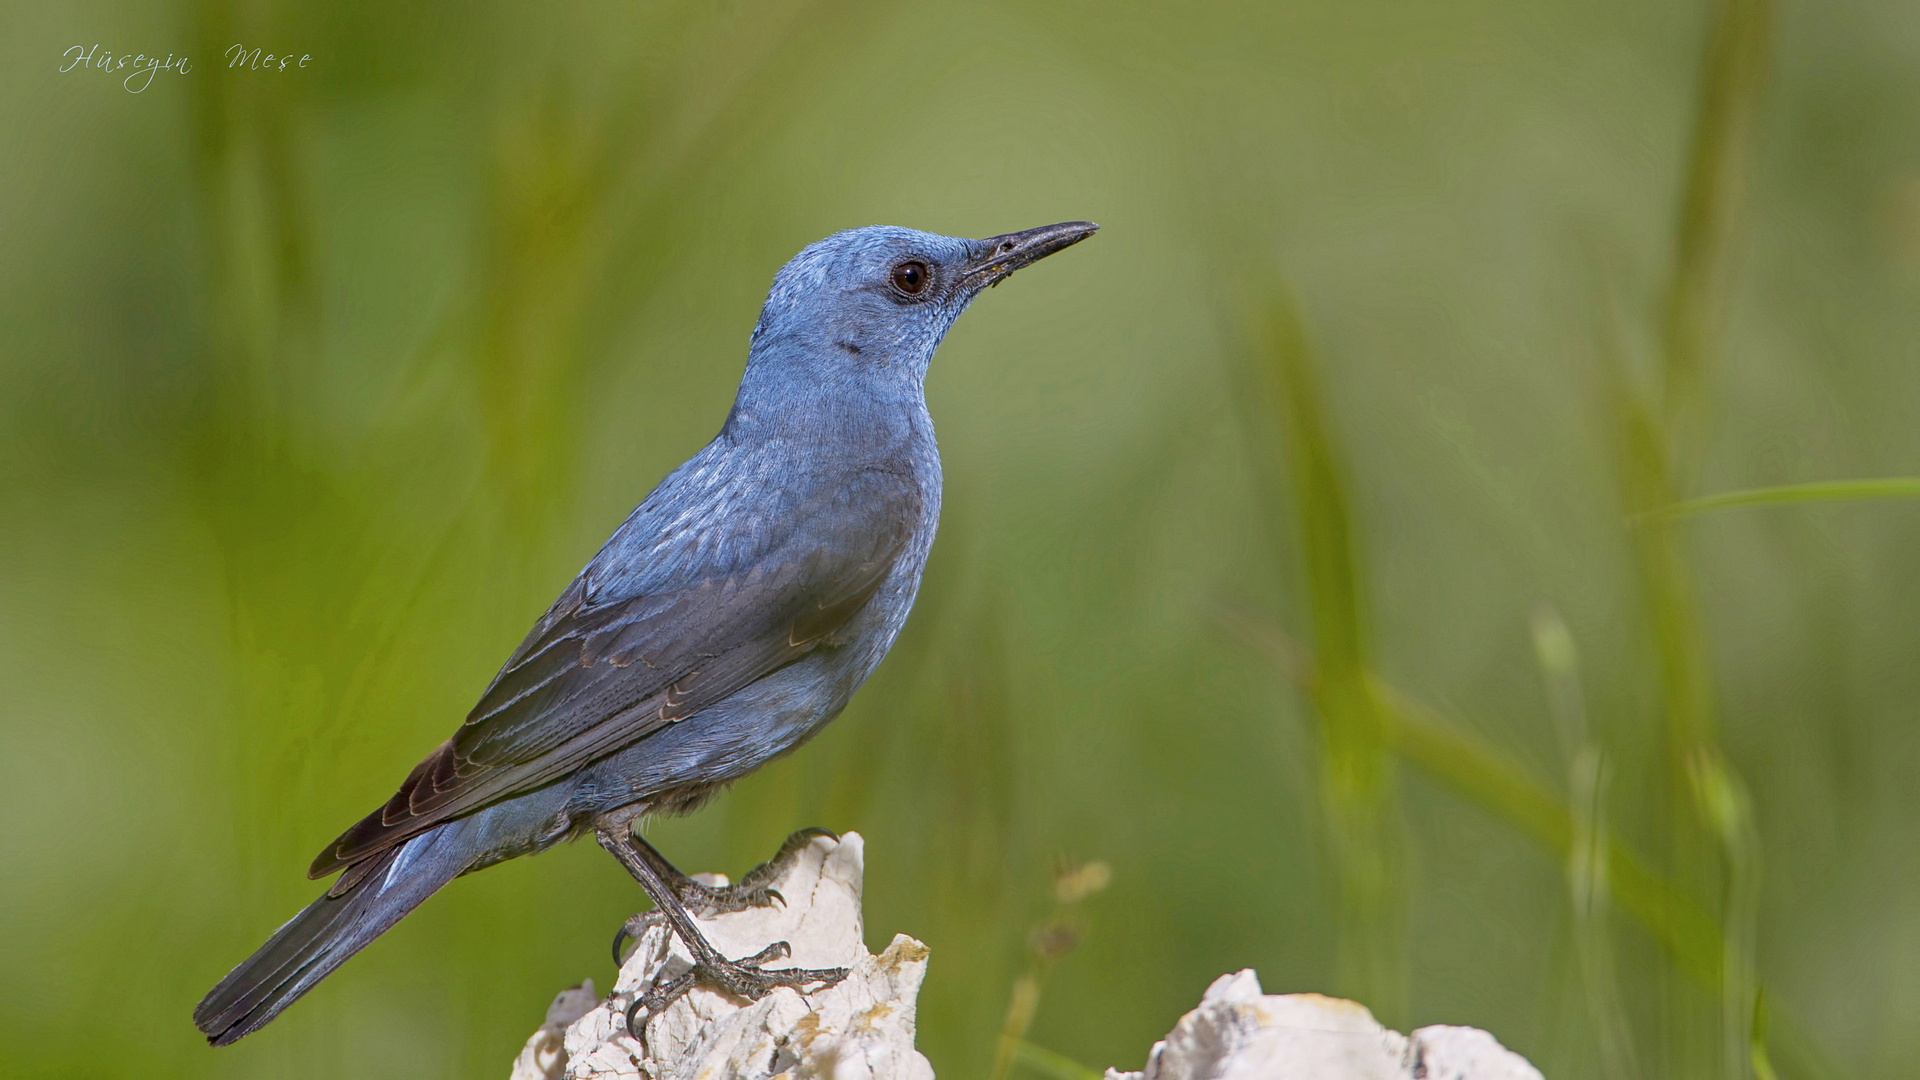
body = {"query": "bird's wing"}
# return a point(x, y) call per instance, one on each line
point(599, 672)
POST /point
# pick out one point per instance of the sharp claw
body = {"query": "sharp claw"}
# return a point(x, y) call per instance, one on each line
point(628, 935)
point(775, 894)
point(779, 950)
point(654, 1001)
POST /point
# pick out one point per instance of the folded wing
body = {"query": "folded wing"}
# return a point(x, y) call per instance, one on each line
point(601, 671)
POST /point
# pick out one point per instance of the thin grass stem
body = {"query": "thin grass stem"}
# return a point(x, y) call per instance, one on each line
point(1588, 882)
point(1048, 1063)
point(1661, 449)
point(1356, 787)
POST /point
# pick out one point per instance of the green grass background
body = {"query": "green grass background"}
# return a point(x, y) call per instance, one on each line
point(1305, 554)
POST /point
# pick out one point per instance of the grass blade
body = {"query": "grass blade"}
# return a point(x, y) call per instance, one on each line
point(1355, 758)
point(1892, 487)
point(1481, 773)
point(1048, 1063)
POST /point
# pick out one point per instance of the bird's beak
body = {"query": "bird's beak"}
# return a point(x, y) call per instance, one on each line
point(999, 256)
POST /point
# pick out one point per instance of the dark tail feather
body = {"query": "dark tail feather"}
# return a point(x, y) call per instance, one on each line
point(330, 930)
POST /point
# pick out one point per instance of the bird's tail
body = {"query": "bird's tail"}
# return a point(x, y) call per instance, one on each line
point(372, 897)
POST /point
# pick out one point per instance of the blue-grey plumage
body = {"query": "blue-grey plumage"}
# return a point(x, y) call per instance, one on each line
point(728, 619)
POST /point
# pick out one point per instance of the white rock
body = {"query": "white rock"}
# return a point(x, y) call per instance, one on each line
point(860, 1029)
point(544, 1057)
point(863, 1028)
point(1464, 1053)
point(1238, 1033)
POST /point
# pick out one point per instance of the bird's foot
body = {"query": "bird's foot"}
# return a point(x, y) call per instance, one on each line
point(674, 894)
point(744, 978)
point(753, 890)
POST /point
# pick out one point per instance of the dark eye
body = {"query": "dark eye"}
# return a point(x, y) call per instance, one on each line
point(911, 278)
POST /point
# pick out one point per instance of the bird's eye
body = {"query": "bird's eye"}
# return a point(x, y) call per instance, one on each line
point(911, 278)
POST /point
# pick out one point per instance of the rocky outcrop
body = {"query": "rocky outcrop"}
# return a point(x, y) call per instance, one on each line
point(863, 1027)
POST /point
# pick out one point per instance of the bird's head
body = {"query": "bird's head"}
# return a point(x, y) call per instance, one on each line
point(867, 307)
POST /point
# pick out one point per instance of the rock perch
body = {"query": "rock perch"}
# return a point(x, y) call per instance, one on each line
point(863, 1027)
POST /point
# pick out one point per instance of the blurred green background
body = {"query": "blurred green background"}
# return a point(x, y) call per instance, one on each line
point(1304, 555)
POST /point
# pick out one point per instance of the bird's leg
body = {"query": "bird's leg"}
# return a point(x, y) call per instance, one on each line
point(743, 978)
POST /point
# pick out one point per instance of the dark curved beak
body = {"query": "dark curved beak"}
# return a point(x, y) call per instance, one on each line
point(999, 256)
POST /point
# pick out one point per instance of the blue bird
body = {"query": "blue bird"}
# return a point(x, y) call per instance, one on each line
point(727, 620)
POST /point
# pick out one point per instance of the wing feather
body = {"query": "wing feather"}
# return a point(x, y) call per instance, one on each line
point(599, 672)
